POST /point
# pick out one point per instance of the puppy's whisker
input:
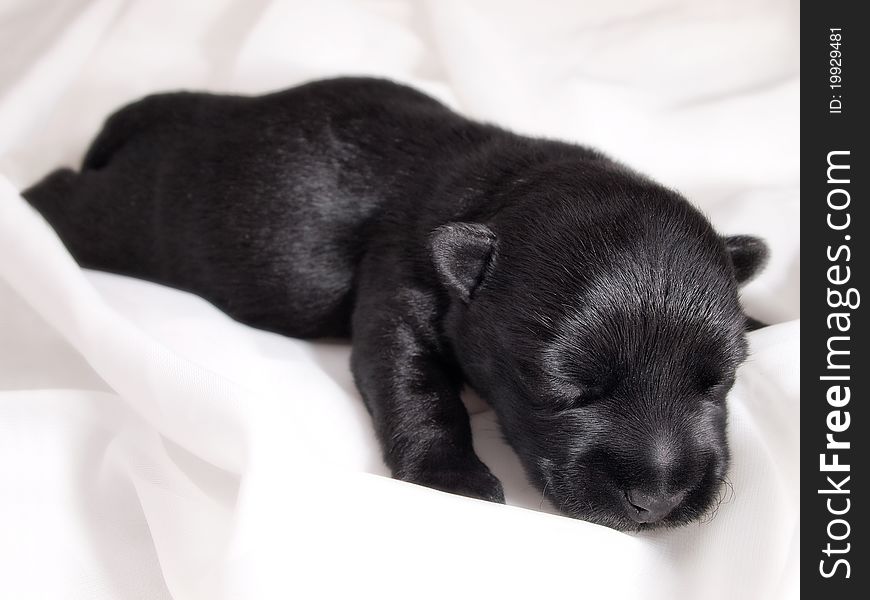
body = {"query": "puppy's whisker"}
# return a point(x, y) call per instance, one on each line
point(544, 492)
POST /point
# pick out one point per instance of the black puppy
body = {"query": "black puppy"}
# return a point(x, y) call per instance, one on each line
point(595, 310)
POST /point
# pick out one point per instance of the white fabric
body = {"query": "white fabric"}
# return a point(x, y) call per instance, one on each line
point(150, 447)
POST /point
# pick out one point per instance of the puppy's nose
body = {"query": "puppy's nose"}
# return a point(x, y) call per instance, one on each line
point(644, 507)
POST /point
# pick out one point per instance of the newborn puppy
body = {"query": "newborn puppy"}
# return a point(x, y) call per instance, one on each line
point(595, 310)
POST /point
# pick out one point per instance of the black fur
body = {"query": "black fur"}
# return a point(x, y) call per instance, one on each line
point(594, 309)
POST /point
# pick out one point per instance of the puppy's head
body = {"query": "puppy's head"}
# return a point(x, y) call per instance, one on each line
point(604, 328)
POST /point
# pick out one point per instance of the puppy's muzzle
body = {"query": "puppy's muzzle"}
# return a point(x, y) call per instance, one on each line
point(644, 507)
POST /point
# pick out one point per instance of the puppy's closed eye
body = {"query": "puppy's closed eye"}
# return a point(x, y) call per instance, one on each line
point(584, 392)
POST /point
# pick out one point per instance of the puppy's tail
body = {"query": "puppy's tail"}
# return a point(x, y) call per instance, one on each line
point(58, 198)
point(53, 195)
point(103, 221)
point(74, 206)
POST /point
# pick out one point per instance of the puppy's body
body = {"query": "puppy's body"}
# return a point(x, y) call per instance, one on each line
point(578, 297)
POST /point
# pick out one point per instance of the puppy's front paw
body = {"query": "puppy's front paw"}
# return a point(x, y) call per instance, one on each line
point(472, 479)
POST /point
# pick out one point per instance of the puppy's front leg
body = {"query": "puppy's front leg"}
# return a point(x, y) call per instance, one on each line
point(411, 388)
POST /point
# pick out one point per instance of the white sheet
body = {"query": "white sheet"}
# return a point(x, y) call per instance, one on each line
point(150, 447)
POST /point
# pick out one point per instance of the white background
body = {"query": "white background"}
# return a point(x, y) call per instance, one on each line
point(152, 448)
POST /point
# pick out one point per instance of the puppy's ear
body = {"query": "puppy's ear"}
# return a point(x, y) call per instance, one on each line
point(748, 255)
point(461, 253)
